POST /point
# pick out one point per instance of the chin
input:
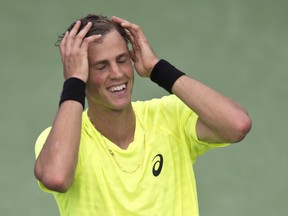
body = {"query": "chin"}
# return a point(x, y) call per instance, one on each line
point(120, 105)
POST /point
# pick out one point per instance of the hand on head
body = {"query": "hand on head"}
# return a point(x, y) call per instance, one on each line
point(74, 51)
point(142, 53)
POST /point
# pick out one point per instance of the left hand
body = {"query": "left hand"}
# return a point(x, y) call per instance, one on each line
point(142, 54)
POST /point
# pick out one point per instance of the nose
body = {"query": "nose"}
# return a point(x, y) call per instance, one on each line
point(115, 71)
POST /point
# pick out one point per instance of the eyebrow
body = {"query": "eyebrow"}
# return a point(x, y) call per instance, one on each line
point(125, 54)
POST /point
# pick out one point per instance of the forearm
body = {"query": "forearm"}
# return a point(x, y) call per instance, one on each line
point(56, 164)
point(220, 118)
point(57, 161)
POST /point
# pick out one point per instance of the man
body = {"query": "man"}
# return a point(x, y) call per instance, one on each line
point(128, 158)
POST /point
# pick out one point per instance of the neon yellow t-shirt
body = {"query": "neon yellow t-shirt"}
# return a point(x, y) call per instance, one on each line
point(154, 176)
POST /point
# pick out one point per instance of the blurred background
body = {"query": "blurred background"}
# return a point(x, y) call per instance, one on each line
point(238, 47)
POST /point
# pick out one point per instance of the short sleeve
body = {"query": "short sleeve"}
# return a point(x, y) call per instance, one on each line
point(38, 147)
point(41, 140)
point(198, 147)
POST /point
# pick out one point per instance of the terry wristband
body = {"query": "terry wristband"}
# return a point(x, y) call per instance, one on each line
point(73, 89)
point(165, 75)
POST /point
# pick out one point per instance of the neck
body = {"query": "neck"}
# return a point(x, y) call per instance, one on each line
point(117, 126)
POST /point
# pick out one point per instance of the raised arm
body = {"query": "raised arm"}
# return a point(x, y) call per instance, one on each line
point(56, 163)
point(220, 118)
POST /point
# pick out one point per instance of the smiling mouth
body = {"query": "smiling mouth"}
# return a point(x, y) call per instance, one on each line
point(118, 88)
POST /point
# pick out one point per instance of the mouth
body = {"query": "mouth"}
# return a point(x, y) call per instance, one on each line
point(117, 88)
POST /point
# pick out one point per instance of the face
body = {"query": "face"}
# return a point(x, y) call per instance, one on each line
point(111, 74)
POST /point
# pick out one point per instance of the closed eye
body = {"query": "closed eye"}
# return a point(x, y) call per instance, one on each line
point(101, 66)
point(122, 59)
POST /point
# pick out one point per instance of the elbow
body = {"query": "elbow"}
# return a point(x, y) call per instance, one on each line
point(241, 128)
point(53, 181)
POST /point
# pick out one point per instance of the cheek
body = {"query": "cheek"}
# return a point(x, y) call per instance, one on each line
point(95, 77)
point(94, 81)
point(129, 69)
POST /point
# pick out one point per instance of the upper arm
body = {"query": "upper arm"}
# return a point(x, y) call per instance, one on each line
point(206, 134)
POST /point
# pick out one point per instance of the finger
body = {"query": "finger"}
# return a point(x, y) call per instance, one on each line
point(135, 44)
point(75, 29)
point(118, 19)
point(81, 35)
point(64, 40)
point(132, 55)
point(71, 36)
point(135, 32)
point(90, 39)
point(63, 46)
point(85, 30)
point(125, 23)
point(130, 37)
point(134, 29)
point(136, 37)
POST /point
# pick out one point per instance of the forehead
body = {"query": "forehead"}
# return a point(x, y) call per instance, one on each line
point(110, 46)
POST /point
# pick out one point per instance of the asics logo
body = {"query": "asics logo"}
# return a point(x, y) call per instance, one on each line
point(157, 167)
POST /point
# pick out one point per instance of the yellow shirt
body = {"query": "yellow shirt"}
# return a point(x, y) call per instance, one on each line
point(154, 176)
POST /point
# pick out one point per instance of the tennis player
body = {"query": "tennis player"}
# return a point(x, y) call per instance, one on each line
point(118, 157)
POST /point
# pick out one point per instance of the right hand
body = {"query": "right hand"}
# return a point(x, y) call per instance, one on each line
point(74, 52)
